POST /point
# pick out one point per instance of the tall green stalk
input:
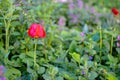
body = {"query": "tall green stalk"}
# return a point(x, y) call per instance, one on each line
point(35, 53)
point(7, 18)
point(7, 34)
point(100, 42)
point(111, 45)
point(46, 56)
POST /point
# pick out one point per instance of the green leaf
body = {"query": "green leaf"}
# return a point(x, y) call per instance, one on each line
point(18, 8)
point(53, 70)
point(30, 70)
point(118, 50)
point(107, 45)
point(16, 44)
point(12, 72)
point(47, 77)
point(96, 37)
point(22, 55)
point(0, 23)
point(41, 70)
point(7, 54)
point(25, 60)
point(68, 75)
point(59, 78)
point(76, 57)
point(111, 77)
point(92, 75)
point(73, 46)
point(15, 33)
point(36, 67)
point(15, 23)
point(112, 59)
point(15, 62)
point(30, 54)
point(11, 47)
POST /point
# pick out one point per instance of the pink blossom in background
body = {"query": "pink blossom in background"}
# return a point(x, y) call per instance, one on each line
point(118, 44)
point(97, 20)
point(2, 73)
point(73, 18)
point(82, 34)
point(98, 14)
point(1, 70)
point(92, 10)
point(86, 7)
point(118, 37)
point(61, 21)
point(23, 0)
point(3, 78)
point(16, 5)
point(71, 6)
point(80, 4)
point(63, 1)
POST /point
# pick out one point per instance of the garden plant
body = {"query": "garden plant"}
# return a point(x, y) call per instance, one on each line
point(59, 39)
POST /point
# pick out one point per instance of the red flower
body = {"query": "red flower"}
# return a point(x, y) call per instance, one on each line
point(115, 11)
point(36, 31)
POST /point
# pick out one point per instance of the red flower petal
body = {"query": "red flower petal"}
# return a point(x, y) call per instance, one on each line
point(36, 31)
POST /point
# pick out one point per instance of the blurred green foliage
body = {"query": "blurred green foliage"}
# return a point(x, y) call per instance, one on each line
point(64, 54)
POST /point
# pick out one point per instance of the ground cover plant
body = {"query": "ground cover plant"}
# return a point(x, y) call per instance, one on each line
point(59, 40)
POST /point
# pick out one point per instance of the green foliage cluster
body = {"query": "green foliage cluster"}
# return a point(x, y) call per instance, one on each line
point(64, 54)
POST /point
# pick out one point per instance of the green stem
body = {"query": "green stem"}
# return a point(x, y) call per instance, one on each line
point(35, 53)
point(46, 56)
point(53, 77)
point(100, 42)
point(6, 35)
point(7, 40)
point(111, 45)
point(86, 67)
point(79, 65)
point(7, 25)
point(6, 46)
